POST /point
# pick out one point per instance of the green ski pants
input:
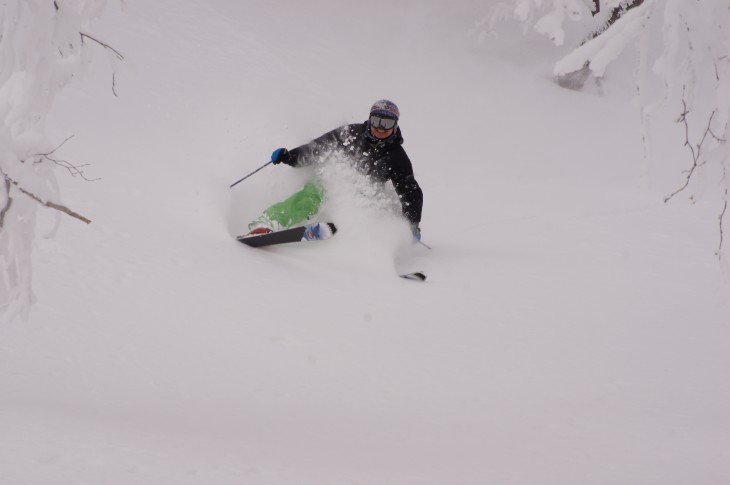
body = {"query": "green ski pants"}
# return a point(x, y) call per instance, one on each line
point(299, 207)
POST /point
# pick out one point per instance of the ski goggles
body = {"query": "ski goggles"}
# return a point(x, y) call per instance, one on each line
point(382, 123)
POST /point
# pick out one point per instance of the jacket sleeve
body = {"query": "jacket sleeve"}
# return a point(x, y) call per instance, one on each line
point(407, 188)
point(306, 154)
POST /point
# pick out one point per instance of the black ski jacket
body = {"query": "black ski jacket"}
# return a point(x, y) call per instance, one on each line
point(383, 160)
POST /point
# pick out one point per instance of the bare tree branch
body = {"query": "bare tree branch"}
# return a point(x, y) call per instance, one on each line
point(74, 170)
point(106, 46)
point(722, 230)
point(696, 151)
point(57, 148)
point(58, 207)
point(116, 53)
point(46, 203)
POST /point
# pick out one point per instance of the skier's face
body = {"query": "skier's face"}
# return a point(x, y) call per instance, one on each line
point(380, 133)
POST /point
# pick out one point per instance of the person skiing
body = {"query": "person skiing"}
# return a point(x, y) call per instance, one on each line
point(375, 148)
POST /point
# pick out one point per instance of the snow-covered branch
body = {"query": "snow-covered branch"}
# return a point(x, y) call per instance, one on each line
point(600, 51)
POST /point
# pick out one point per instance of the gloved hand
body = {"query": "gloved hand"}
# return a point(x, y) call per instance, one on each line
point(280, 155)
point(416, 231)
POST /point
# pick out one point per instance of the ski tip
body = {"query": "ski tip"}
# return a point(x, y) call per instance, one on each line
point(415, 276)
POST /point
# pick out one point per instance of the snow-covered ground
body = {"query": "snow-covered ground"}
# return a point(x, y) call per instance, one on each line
point(574, 329)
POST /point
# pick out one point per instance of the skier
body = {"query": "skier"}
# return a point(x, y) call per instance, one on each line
point(375, 148)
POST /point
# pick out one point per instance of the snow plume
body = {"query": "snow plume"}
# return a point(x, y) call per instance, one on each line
point(42, 47)
point(366, 210)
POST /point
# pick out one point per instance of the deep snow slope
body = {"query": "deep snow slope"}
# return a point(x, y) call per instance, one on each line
point(573, 329)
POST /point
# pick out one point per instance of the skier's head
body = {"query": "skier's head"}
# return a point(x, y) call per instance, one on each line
point(383, 119)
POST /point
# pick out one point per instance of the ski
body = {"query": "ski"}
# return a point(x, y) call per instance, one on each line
point(415, 276)
point(311, 232)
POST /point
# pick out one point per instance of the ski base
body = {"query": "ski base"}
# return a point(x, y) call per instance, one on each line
point(317, 231)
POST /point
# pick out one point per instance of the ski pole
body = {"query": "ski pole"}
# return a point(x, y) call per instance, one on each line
point(423, 243)
point(247, 176)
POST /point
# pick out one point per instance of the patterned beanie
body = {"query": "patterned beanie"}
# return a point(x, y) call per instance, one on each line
point(385, 108)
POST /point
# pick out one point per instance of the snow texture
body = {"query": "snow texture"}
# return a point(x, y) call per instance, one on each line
point(573, 328)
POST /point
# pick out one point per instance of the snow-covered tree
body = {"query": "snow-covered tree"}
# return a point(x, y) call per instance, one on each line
point(43, 44)
point(685, 43)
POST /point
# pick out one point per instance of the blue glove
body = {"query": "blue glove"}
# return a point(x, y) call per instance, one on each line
point(280, 155)
point(416, 231)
